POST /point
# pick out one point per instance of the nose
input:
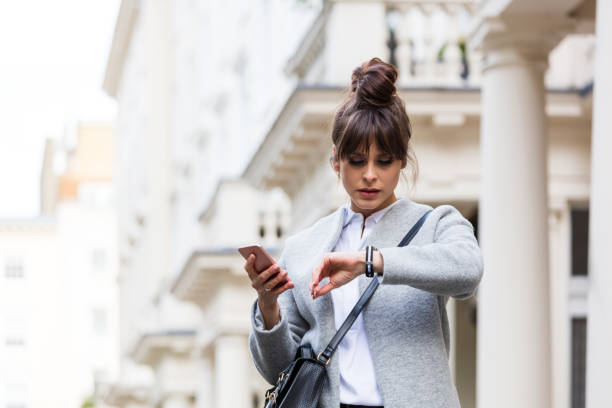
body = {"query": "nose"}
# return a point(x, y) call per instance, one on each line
point(370, 172)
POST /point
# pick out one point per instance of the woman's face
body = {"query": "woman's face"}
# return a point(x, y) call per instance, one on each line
point(369, 180)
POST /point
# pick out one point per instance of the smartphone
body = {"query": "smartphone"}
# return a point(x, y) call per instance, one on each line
point(263, 260)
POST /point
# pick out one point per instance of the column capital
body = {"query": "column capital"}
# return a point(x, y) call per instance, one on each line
point(518, 39)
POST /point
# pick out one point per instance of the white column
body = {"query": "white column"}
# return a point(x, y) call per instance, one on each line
point(205, 390)
point(159, 168)
point(599, 320)
point(232, 386)
point(513, 311)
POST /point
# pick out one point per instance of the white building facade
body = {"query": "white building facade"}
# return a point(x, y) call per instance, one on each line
point(210, 92)
point(58, 292)
point(191, 112)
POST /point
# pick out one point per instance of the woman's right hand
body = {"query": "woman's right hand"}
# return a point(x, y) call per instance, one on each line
point(268, 288)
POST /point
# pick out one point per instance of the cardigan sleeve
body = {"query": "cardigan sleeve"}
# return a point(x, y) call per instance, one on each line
point(450, 266)
point(272, 350)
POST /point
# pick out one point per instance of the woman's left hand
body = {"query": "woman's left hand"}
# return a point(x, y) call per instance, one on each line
point(340, 268)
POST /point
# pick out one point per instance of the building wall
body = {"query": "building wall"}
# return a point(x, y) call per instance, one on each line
point(34, 340)
point(191, 110)
point(87, 235)
point(196, 106)
point(58, 290)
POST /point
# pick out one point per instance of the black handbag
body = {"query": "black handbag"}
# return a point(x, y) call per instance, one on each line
point(300, 384)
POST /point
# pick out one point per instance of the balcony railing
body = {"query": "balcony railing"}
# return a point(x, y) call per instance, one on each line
point(428, 42)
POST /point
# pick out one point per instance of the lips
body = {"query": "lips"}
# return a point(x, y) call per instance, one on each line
point(368, 192)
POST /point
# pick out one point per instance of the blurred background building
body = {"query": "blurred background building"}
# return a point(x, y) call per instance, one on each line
point(58, 298)
point(222, 139)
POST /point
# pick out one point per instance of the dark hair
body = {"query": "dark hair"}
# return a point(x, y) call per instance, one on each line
point(374, 113)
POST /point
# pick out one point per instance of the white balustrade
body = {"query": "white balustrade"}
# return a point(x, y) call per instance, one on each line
point(431, 40)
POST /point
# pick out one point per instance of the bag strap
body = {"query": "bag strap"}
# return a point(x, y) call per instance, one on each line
point(325, 356)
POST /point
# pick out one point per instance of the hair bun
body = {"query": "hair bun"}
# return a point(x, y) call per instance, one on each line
point(373, 83)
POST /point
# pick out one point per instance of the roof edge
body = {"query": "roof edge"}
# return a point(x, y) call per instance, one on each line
point(124, 27)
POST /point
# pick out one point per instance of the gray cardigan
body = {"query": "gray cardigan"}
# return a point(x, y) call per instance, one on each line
point(405, 321)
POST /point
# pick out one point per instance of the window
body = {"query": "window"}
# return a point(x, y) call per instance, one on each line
point(579, 338)
point(13, 268)
point(101, 376)
point(99, 321)
point(279, 223)
point(578, 305)
point(16, 395)
point(15, 329)
point(580, 241)
point(474, 221)
point(98, 258)
point(262, 222)
point(14, 341)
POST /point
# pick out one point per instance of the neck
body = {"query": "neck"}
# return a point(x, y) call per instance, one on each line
point(367, 212)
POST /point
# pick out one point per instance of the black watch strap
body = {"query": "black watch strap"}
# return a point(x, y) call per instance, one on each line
point(369, 261)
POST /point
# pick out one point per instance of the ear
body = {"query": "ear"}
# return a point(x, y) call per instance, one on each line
point(334, 160)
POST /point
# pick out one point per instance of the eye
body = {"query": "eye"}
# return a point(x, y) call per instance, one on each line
point(356, 160)
point(385, 162)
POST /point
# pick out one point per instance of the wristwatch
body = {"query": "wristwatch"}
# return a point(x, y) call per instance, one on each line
point(369, 263)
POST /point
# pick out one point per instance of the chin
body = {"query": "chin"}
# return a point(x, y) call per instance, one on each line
point(367, 204)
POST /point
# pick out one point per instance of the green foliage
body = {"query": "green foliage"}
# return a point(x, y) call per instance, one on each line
point(462, 47)
point(441, 52)
point(88, 402)
point(461, 44)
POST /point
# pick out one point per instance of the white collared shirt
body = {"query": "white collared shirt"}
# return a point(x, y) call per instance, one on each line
point(357, 378)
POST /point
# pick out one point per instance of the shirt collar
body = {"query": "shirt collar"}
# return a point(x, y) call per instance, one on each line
point(349, 214)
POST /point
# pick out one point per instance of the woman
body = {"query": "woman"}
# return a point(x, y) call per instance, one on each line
point(396, 353)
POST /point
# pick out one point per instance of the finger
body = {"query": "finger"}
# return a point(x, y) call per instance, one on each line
point(315, 279)
point(286, 286)
point(265, 275)
point(249, 266)
point(270, 272)
point(280, 284)
point(324, 271)
point(319, 273)
point(325, 289)
point(275, 281)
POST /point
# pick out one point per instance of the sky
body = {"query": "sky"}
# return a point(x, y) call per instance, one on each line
point(52, 61)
